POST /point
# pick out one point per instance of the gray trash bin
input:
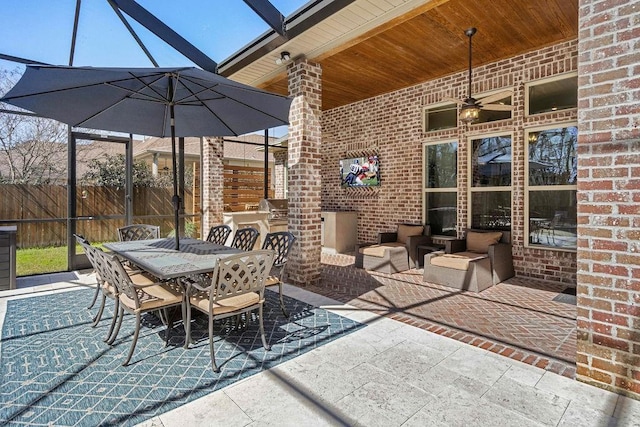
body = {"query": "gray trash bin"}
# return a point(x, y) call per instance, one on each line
point(8, 257)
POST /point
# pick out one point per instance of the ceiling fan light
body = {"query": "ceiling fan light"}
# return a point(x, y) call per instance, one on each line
point(469, 113)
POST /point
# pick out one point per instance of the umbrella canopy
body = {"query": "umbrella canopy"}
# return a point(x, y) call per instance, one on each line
point(174, 102)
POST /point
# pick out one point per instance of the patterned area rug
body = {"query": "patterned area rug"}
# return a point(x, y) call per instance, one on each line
point(56, 370)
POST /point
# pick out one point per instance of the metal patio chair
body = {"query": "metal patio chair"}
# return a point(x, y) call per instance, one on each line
point(138, 296)
point(281, 243)
point(245, 238)
point(219, 234)
point(103, 286)
point(551, 226)
point(236, 287)
point(138, 232)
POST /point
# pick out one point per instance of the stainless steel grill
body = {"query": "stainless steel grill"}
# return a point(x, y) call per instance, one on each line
point(278, 209)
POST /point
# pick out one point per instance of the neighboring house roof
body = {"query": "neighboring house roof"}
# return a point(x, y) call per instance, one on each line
point(54, 154)
point(232, 149)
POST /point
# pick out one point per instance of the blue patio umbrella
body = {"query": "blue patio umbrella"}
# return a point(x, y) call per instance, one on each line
point(176, 102)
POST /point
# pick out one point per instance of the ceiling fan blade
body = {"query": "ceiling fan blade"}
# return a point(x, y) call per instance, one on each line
point(497, 107)
point(496, 96)
point(454, 100)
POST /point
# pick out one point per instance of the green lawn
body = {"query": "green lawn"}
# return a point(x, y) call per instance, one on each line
point(41, 260)
point(44, 260)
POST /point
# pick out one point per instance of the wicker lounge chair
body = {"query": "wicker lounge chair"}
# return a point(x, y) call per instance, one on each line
point(475, 263)
point(395, 251)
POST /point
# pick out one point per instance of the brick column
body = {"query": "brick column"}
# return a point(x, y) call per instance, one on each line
point(609, 196)
point(280, 159)
point(305, 86)
point(212, 183)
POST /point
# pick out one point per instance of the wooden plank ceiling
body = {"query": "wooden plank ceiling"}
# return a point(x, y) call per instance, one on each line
point(429, 42)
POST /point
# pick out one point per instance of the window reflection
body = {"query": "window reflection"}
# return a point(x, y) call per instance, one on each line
point(552, 218)
point(491, 161)
point(441, 171)
point(552, 156)
point(441, 213)
point(553, 95)
point(491, 210)
point(442, 165)
point(442, 117)
point(553, 176)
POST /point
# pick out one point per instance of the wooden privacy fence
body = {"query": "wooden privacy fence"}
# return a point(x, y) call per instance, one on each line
point(243, 187)
point(100, 209)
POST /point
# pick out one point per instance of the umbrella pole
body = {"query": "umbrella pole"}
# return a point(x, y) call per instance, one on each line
point(176, 198)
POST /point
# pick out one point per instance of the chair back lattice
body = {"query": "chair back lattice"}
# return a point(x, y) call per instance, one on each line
point(241, 274)
point(281, 243)
point(219, 234)
point(138, 232)
point(245, 238)
point(119, 278)
point(93, 255)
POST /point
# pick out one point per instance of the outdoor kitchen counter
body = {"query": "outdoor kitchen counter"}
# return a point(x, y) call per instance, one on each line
point(256, 219)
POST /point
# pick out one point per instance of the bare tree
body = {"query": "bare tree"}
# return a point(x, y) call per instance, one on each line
point(33, 150)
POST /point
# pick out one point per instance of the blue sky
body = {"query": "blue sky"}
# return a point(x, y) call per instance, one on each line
point(41, 30)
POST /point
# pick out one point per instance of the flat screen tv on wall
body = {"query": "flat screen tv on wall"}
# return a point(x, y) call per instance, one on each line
point(360, 172)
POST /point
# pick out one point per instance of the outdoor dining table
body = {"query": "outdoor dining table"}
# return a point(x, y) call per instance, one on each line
point(158, 257)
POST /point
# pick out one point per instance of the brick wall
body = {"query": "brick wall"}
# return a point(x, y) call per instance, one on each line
point(305, 86)
point(392, 123)
point(212, 183)
point(280, 158)
point(609, 195)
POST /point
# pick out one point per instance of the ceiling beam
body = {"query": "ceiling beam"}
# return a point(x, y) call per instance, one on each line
point(19, 60)
point(133, 33)
point(160, 29)
point(269, 14)
point(74, 35)
point(296, 24)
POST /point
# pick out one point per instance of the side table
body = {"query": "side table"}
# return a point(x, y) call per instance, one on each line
point(425, 249)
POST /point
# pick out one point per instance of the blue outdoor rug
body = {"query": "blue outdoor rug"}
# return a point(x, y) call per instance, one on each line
point(56, 370)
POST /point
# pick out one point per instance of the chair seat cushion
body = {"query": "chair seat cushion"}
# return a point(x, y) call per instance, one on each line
point(109, 289)
point(154, 297)
point(227, 305)
point(380, 250)
point(457, 261)
point(271, 281)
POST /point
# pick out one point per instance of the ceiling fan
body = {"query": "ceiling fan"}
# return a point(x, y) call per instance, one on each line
point(470, 107)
